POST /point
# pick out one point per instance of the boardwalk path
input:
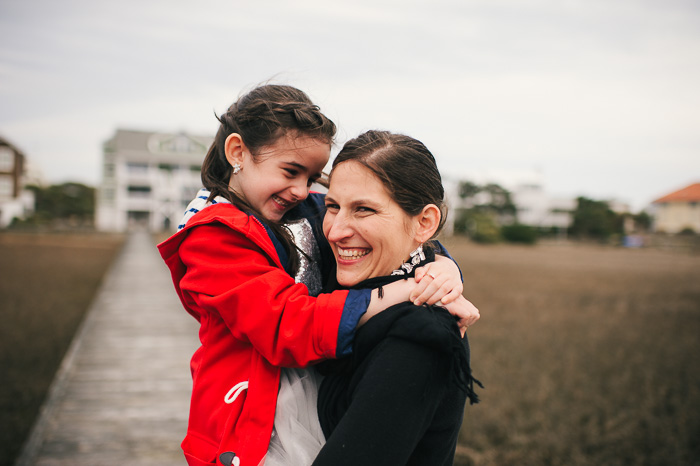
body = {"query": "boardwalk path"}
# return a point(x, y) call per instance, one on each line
point(121, 395)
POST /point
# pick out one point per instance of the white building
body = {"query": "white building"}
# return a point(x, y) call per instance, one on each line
point(15, 201)
point(538, 209)
point(535, 207)
point(148, 179)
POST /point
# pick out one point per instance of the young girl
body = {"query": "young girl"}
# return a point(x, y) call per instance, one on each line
point(233, 264)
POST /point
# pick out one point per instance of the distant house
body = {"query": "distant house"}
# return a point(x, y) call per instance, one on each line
point(148, 178)
point(678, 211)
point(535, 207)
point(538, 209)
point(15, 201)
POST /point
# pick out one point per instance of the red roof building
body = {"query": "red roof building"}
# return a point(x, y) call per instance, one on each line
point(678, 211)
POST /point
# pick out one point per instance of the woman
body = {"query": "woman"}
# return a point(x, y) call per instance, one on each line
point(233, 265)
point(400, 397)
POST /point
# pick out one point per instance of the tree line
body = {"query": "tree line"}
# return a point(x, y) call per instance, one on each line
point(67, 205)
point(489, 215)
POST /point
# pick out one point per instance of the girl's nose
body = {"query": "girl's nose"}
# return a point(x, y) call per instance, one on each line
point(300, 190)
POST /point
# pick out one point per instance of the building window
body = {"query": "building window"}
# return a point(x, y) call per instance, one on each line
point(6, 187)
point(138, 218)
point(139, 191)
point(7, 159)
point(137, 167)
point(108, 194)
point(167, 167)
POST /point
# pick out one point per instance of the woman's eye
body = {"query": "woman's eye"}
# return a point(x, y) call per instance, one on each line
point(332, 207)
point(363, 209)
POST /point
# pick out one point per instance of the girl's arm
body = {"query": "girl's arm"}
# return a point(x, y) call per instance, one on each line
point(466, 313)
point(226, 275)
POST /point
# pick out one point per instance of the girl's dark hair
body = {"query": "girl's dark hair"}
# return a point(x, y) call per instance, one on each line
point(261, 117)
point(406, 168)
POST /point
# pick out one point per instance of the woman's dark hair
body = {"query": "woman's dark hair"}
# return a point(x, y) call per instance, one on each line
point(261, 117)
point(406, 168)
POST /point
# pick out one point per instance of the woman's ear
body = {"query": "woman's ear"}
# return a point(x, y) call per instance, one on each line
point(427, 222)
point(234, 148)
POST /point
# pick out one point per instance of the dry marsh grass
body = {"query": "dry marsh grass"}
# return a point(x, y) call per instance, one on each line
point(48, 282)
point(589, 355)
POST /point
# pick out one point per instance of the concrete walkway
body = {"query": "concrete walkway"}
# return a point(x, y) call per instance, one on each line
point(122, 393)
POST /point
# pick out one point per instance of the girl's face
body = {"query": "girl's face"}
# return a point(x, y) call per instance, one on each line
point(280, 176)
point(370, 234)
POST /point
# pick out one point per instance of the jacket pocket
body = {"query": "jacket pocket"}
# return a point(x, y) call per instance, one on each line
point(199, 451)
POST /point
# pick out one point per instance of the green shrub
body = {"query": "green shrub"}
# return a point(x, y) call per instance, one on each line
point(519, 233)
point(485, 230)
point(479, 226)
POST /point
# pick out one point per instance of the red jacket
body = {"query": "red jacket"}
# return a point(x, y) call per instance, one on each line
point(253, 319)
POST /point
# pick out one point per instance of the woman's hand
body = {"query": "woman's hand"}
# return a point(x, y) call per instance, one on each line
point(437, 281)
point(467, 313)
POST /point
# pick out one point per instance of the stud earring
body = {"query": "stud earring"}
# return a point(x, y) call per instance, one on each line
point(236, 168)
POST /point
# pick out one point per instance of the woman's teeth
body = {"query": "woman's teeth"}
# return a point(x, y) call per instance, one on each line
point(352, 253)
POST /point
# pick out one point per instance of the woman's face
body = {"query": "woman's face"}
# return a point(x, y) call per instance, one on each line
point(280, 177)
point(369, 233)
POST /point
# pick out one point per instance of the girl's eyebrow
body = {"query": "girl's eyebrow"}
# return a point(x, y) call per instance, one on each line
point(295, 164)
point(301, 167)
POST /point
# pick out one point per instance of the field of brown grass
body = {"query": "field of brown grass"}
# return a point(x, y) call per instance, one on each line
point(48, 282)
point(589, 355)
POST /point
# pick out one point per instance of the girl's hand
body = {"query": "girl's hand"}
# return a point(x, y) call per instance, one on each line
point(437, 281)
point(467, 313)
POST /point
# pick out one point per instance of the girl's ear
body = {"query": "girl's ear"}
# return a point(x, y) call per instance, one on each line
point(233, 148)
point(427, 223)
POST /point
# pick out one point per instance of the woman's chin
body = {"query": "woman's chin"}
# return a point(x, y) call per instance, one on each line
point(348, 279)
point(347, 283)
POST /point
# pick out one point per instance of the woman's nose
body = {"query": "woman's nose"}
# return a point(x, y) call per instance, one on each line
point(339, 228)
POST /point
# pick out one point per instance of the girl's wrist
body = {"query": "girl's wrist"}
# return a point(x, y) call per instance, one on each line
point(393, 293)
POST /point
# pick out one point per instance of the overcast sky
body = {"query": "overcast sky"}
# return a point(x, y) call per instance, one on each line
point(596, 98)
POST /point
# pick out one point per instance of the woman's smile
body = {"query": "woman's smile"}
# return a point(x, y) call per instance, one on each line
point(352, 253)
